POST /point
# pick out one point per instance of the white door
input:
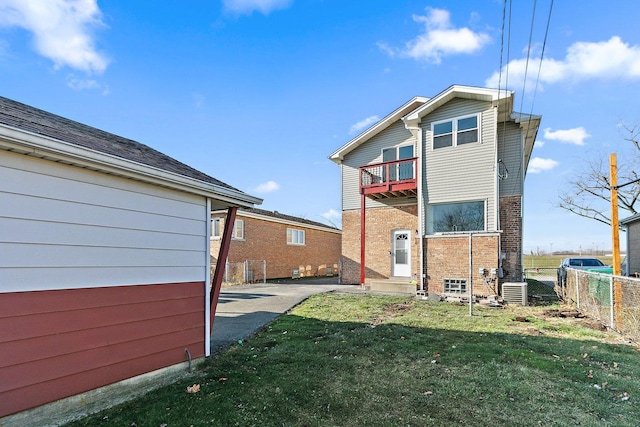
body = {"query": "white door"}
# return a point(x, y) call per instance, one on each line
point(401, 254)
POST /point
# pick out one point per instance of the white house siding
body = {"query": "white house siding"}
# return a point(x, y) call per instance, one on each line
point(463, 173)
point(64, 227)
point(369, 153)
point(510, 145)
point(633, 247)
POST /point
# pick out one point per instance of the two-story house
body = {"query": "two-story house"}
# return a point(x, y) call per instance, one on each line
point(432, 194)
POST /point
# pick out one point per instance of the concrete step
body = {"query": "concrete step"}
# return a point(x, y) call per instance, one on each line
point(398, 285)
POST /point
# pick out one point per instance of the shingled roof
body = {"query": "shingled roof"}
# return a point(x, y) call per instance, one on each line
point(31, 119)
point(278, 215)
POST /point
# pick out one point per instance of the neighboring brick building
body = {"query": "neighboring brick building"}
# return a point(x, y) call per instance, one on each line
point(290, 246)
point(432, 194)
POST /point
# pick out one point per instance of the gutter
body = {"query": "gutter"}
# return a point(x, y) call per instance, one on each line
point(44, 147)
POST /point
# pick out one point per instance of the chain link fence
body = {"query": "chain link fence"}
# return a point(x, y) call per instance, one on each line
point(249, 271)
point(612, 300)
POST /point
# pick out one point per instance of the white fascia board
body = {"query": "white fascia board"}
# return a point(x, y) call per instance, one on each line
point(338, 155)
point(44, 147)
point(281, 221)
point(455, 91)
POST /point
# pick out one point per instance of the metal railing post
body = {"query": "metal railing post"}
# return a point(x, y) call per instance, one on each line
point(264, 271)
point(577, 289)
point(612, 318)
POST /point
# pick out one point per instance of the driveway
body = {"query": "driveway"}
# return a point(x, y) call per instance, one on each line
point(245, 309)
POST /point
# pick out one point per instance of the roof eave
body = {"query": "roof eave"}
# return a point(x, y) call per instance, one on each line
point(456, 91)
point(21, 141)
point(338, 155)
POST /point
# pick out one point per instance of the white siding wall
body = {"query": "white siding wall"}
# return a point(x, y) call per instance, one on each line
point(510, 151)
point(466, 172)
point(368, 153)
point(66, 227)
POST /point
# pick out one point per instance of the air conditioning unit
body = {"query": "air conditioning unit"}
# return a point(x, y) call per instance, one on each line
point(515, 292)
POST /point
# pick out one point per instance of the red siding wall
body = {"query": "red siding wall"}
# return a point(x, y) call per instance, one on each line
point(55, 344)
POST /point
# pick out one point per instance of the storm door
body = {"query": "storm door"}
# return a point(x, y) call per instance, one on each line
point(401, 253)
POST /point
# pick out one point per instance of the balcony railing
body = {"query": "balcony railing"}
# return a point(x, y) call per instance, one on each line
point(389, 179)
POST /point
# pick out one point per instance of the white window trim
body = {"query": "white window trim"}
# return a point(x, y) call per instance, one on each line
point(397, 148)
point(213, 229)
point(235, 229)
point(454, 131)
point(290, 236)
point(438, 233)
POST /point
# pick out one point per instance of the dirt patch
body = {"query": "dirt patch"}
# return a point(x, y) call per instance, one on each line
point(391, 311)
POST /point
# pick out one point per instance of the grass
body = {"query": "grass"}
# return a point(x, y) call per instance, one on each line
point(352, 360)
point(553, 261)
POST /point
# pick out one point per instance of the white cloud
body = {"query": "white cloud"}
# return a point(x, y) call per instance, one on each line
point(611, 59)
point(574, 136)
point(362, 124)
point(198, 99)
point(332, 216)
point(86, 84)
point(439, 39)
point(267, 187)
point(537, 165)
point(249, 6)
point(62, 30)
point(539, 143)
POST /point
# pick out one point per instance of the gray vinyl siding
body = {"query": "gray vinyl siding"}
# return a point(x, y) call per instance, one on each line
point(466, 172)
point(510, 145)
point(369, 153)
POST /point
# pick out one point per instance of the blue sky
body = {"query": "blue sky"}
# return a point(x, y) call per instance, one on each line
point(258, 93)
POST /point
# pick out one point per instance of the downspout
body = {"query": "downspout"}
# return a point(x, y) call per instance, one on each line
point(418, 135)
point(222, 257)
point(207, 281)
point(363, 205)
point(470, 273)
point(497, 186)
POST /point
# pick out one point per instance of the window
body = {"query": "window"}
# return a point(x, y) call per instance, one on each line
point(452, 217)
point(295, 236)
point(215, 228)
point(402, 170)
point(451, 133)
point(238, 229)
point(455, 286)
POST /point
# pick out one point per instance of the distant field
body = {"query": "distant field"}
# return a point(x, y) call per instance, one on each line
point(553, 261)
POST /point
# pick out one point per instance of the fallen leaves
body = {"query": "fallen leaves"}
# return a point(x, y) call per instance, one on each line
point(193, 388)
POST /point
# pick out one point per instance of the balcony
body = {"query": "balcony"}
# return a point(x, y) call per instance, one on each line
point(389, 179)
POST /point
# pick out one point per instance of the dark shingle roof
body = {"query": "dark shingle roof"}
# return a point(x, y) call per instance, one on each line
point(278, 215)
point(31, 119)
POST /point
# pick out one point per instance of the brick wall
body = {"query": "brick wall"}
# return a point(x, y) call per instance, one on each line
point(380, 223)
point(511, 244)
point(267, 240)
point(448, 257)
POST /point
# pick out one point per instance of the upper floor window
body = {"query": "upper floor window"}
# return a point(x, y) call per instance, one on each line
point(452, 217)
point(451, 133)
point(238, 229)
point(402, 170)
point(295, 236)
point(215, 228)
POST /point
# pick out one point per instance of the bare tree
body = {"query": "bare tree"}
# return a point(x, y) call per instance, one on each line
point(588, 194)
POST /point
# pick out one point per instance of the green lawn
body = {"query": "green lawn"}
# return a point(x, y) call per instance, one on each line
point(355, 360)
point(553, 261)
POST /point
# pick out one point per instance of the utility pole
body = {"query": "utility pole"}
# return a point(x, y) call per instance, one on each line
point(617, 289)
